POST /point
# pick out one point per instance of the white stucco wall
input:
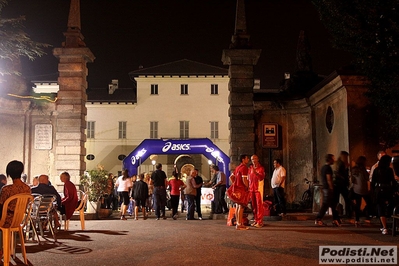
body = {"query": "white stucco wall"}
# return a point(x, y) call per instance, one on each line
point(18, 119)
point(169, 107)
point(333, 94)
point(12, 131)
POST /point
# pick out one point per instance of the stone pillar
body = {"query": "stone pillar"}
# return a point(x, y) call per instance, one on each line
point(71, 110)
point(241, 111)
point(241, 59)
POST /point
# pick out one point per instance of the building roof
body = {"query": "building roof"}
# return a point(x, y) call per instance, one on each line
point(287, 95)
point(182, 67)
point(120, 95)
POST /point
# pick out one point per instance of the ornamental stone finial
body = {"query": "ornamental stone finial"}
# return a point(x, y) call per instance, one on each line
point(240, 39)
point(74, 15)
point(74, 38)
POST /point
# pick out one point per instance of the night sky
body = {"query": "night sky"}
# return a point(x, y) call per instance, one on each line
point(124, 34)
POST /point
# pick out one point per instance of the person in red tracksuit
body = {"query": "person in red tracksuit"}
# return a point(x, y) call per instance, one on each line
point(256, 173)
point(240, 179)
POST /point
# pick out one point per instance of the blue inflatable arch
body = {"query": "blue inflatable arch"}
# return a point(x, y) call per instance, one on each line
point(176, 146)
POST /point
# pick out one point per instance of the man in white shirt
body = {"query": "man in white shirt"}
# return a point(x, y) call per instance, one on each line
point(278, 184)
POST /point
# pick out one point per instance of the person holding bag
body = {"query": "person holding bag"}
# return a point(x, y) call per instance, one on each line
point(238, 192)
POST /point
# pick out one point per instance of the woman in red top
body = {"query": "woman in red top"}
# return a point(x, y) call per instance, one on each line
point(70, 200)
point(175, 186)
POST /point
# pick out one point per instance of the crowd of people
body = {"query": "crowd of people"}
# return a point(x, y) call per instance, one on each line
point(152, 192)
point(147, 193)
point(377, 188)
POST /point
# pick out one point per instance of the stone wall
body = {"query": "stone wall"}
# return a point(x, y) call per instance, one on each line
point(295, 149)
point(19, 138)
point(336, 116)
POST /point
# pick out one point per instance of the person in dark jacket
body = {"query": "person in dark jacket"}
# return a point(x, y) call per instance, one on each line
point(198, 180)
point(140, 194)
point(45, 188)
point(384, 185)
point(360, 179)
point(341, 181)
point(160, 181)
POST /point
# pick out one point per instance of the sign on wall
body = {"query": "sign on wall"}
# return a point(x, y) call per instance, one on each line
point(43, 136)
point(270, 135)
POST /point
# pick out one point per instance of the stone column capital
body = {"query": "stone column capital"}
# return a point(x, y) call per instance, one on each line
point(241, 56)
point(74, 53)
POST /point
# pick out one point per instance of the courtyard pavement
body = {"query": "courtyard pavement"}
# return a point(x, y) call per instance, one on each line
point(293, 241)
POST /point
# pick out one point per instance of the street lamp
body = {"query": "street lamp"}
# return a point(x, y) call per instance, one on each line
point(153, 164)
point(210, 163)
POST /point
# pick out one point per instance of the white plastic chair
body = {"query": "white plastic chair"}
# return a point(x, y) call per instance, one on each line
point(80, 209)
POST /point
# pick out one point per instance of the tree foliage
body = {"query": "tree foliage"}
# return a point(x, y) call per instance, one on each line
point(15, 42)
point(369, 30)
point(95, 183)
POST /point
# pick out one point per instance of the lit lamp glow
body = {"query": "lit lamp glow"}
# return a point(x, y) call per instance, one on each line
point(210, 163)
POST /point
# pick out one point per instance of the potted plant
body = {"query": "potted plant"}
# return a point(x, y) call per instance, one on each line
point(95, 184)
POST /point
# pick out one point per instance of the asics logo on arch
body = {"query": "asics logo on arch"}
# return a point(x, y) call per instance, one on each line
point(176, 147)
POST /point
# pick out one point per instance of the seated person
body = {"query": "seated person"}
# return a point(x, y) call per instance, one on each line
point(3, 180)
point(44, 188)
point(70, 200)
point(35, 181)
point(14, 170)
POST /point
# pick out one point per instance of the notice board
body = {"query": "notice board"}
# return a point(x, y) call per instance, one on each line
point(270, 135)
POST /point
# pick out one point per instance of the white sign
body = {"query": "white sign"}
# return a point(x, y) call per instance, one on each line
point(43, 136)
point(206, 195)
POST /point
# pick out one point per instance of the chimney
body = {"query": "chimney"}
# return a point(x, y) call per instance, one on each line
point(256, 84)
point(113, 86)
